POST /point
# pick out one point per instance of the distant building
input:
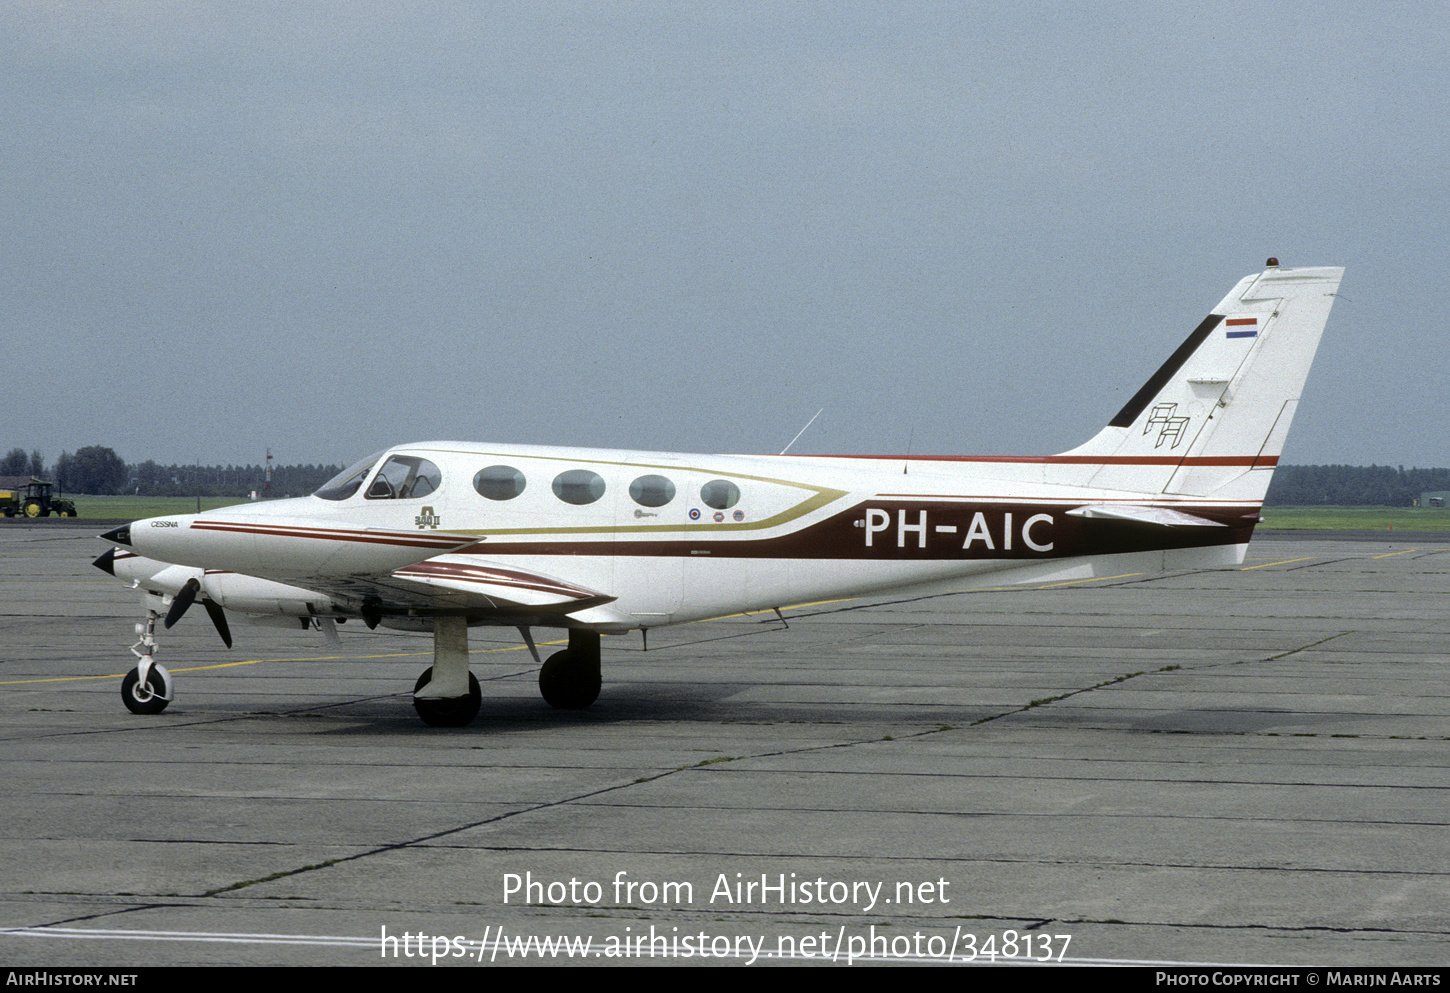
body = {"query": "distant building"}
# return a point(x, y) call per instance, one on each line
point(1437, 498)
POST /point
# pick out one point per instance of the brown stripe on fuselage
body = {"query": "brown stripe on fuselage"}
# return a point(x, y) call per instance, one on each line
point(843, 535)
point(325, 534)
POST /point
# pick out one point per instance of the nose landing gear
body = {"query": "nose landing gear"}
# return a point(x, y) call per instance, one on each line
point(147, 689)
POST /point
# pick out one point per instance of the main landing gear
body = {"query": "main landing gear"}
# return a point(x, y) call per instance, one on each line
point(447, 695)
point(570, 680)
point(456, 712)
point(147, 688)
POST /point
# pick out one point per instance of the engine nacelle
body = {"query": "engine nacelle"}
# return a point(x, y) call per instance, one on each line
point(231, 590)
point(250, 595)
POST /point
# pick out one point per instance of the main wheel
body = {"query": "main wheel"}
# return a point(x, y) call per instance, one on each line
point(445, 713)
point(568, 683)
point(148, 699)
point(32, 508)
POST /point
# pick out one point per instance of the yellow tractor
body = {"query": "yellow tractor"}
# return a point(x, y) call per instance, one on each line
point(30, 497)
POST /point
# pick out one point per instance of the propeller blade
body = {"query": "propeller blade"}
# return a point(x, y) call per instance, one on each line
point(328, 627)
point(182, 601)
point(218, 620)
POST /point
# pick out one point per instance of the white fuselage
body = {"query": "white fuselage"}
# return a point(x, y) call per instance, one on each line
point(672, 538)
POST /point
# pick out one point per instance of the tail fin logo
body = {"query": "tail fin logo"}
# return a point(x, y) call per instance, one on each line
point(1170, 426)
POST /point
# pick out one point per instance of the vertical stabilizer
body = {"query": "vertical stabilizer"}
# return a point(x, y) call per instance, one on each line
point(1212, 420)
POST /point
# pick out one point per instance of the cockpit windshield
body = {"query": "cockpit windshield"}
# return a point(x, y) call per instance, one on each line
point(404, 477)
point(346, 483)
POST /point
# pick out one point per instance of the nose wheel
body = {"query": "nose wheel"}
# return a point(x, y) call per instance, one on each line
point(149, 694)
point(147, 688)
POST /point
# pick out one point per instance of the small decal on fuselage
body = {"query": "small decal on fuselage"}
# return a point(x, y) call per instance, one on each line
point(427, 519)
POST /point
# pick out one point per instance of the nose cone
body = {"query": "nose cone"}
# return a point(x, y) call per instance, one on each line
point(165, 539)
point(106, 562)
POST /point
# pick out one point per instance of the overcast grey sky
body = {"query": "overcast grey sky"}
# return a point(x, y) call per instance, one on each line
point(970, 228)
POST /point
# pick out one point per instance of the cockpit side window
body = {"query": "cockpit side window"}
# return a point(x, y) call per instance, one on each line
point(404, 477)
point(346, 483)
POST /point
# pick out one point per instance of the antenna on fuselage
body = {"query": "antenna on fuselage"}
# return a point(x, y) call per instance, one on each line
point(801, 432)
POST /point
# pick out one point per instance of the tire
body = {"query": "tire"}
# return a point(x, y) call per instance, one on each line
point(32, 508)
point(149, 699)
point(456, 713)
point(567, 684)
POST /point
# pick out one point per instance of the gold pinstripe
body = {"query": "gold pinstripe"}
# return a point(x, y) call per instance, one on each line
point(822, 495)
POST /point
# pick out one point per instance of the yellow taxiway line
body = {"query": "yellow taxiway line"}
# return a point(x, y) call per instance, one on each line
point(309, 658)
point(1251, 568)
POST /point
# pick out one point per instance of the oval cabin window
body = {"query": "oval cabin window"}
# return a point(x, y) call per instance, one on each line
point(579, 486)
point(651, 491)
point(499, 482)
point(720, 494)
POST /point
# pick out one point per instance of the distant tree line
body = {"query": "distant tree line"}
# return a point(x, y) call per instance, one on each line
point(97, 470)
point(1352, 485)
point(17, 463)
point(154, 479)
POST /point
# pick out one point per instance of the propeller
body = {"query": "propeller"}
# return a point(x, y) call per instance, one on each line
point(183, 601)
point(218, 620)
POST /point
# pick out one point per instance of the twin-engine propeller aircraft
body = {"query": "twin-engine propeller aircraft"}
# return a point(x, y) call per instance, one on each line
point(443, 535)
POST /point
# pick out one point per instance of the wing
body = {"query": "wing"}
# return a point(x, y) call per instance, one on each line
point(452, 583)
point(485, 591)
point(470, 580)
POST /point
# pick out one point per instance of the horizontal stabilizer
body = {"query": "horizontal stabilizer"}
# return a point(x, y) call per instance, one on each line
point(1160, 516)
